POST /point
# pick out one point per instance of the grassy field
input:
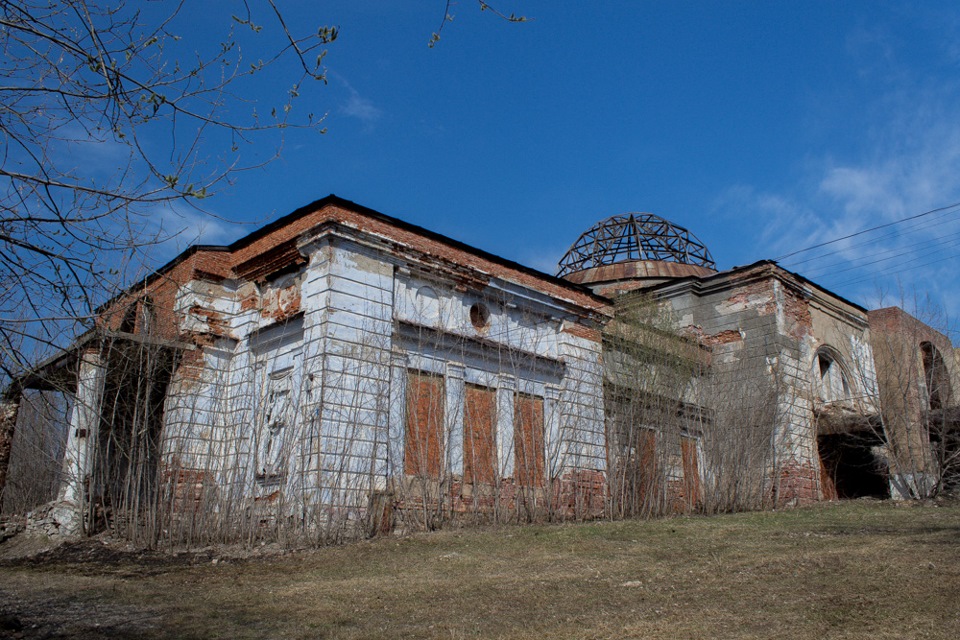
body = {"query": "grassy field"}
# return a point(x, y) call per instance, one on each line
point(853, 570)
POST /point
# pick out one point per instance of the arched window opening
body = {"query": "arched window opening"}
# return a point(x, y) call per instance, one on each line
point(129, 321)
point(830, 378)
point(935, 376)
point(427, 304)
point(146, 316)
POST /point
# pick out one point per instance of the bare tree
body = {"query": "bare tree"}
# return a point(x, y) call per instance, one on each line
point(484, 6)
point(109, 119)
point(107, 114)
point(34, 471)
point(654, 423)
point(740, 436)
point(917, 376)
point(689, 427)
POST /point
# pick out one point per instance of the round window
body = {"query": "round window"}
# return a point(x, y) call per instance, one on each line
point(479, 315)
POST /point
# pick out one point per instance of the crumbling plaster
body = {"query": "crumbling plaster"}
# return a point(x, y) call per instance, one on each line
point(296, 345)
point(353, 294)
point(764, 326)
point(896, 340)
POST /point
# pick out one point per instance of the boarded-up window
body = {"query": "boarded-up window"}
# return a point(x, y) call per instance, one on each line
point(691, 471)
point(528, 440)
point(646, 473)
point(480, 419)
point(423, 444)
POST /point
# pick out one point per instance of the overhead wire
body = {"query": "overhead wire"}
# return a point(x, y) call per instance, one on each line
point(912, 243)
point(932, 247)
point(897, 268)
point(947, 208)
point(896, 232)
point(834, 268)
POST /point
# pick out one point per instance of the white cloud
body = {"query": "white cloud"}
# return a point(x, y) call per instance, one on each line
point(361, 108)
point(913, 168)
point(909, 164)
point(357, 106)
point(176, 227)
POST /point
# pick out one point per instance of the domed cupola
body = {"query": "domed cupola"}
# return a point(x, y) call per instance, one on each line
point(634, 250)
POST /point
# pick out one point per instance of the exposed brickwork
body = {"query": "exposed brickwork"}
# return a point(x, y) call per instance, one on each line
point(724, 337)
point(186, 489)
point(417, 241)
point(613, 279)
point(162, 290)
point(479, 446)
point(677, 497)
point(587, 333)
point(894, 320)
point(528, 440)
point(797, 312)
point(898, 341)
point(581, 494)
point(214, 319)
point(283, 255)
point(758, 317)
point(424, 436)
point(259, 255)
point(828, 488)
point(8, 423)
point(757, 296)
point(191, 362)
point(274, 304)
point(797, 484)
point(577, 495)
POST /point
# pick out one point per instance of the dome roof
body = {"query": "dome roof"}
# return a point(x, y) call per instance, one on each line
point(631, 237)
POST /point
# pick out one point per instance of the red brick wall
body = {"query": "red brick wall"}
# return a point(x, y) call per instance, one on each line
point(479, 445)
point(424, 434)
point(797, 484)
point(528, 440)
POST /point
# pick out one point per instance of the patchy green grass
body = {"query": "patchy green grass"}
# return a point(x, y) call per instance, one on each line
point(852, 570)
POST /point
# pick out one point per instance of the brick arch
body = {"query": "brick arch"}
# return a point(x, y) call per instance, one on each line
point(936, 377)
point(831, 376)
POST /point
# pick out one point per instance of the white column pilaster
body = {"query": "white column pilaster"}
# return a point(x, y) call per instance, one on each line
point(506, 388)
point(551, 431)
point(84, 426)
point(455, 390)
point(398, 413)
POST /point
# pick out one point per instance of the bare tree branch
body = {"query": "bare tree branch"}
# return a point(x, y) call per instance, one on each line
point(108, 112)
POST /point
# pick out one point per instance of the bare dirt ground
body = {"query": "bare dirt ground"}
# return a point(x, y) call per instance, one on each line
point(853, 570)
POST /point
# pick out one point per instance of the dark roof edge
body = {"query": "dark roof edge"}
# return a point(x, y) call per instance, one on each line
point(149, 278)
point(335, 200)
point(433, 235)
point(773, 263)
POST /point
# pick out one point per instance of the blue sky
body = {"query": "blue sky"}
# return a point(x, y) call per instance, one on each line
point(763, 127)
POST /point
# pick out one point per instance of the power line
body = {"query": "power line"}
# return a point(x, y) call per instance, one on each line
point(892, 269)
point(863, 231)
point(896, 232)
point(937, 244)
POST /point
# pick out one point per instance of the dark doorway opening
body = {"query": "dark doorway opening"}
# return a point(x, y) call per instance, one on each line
point(851, 468)
point(945, 444)
point(125, 490)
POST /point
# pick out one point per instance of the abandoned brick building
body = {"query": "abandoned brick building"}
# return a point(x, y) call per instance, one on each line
point(340, 371)
point(917, 373)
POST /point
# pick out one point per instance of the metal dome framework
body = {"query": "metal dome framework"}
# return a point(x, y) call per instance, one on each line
point(634, 236)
